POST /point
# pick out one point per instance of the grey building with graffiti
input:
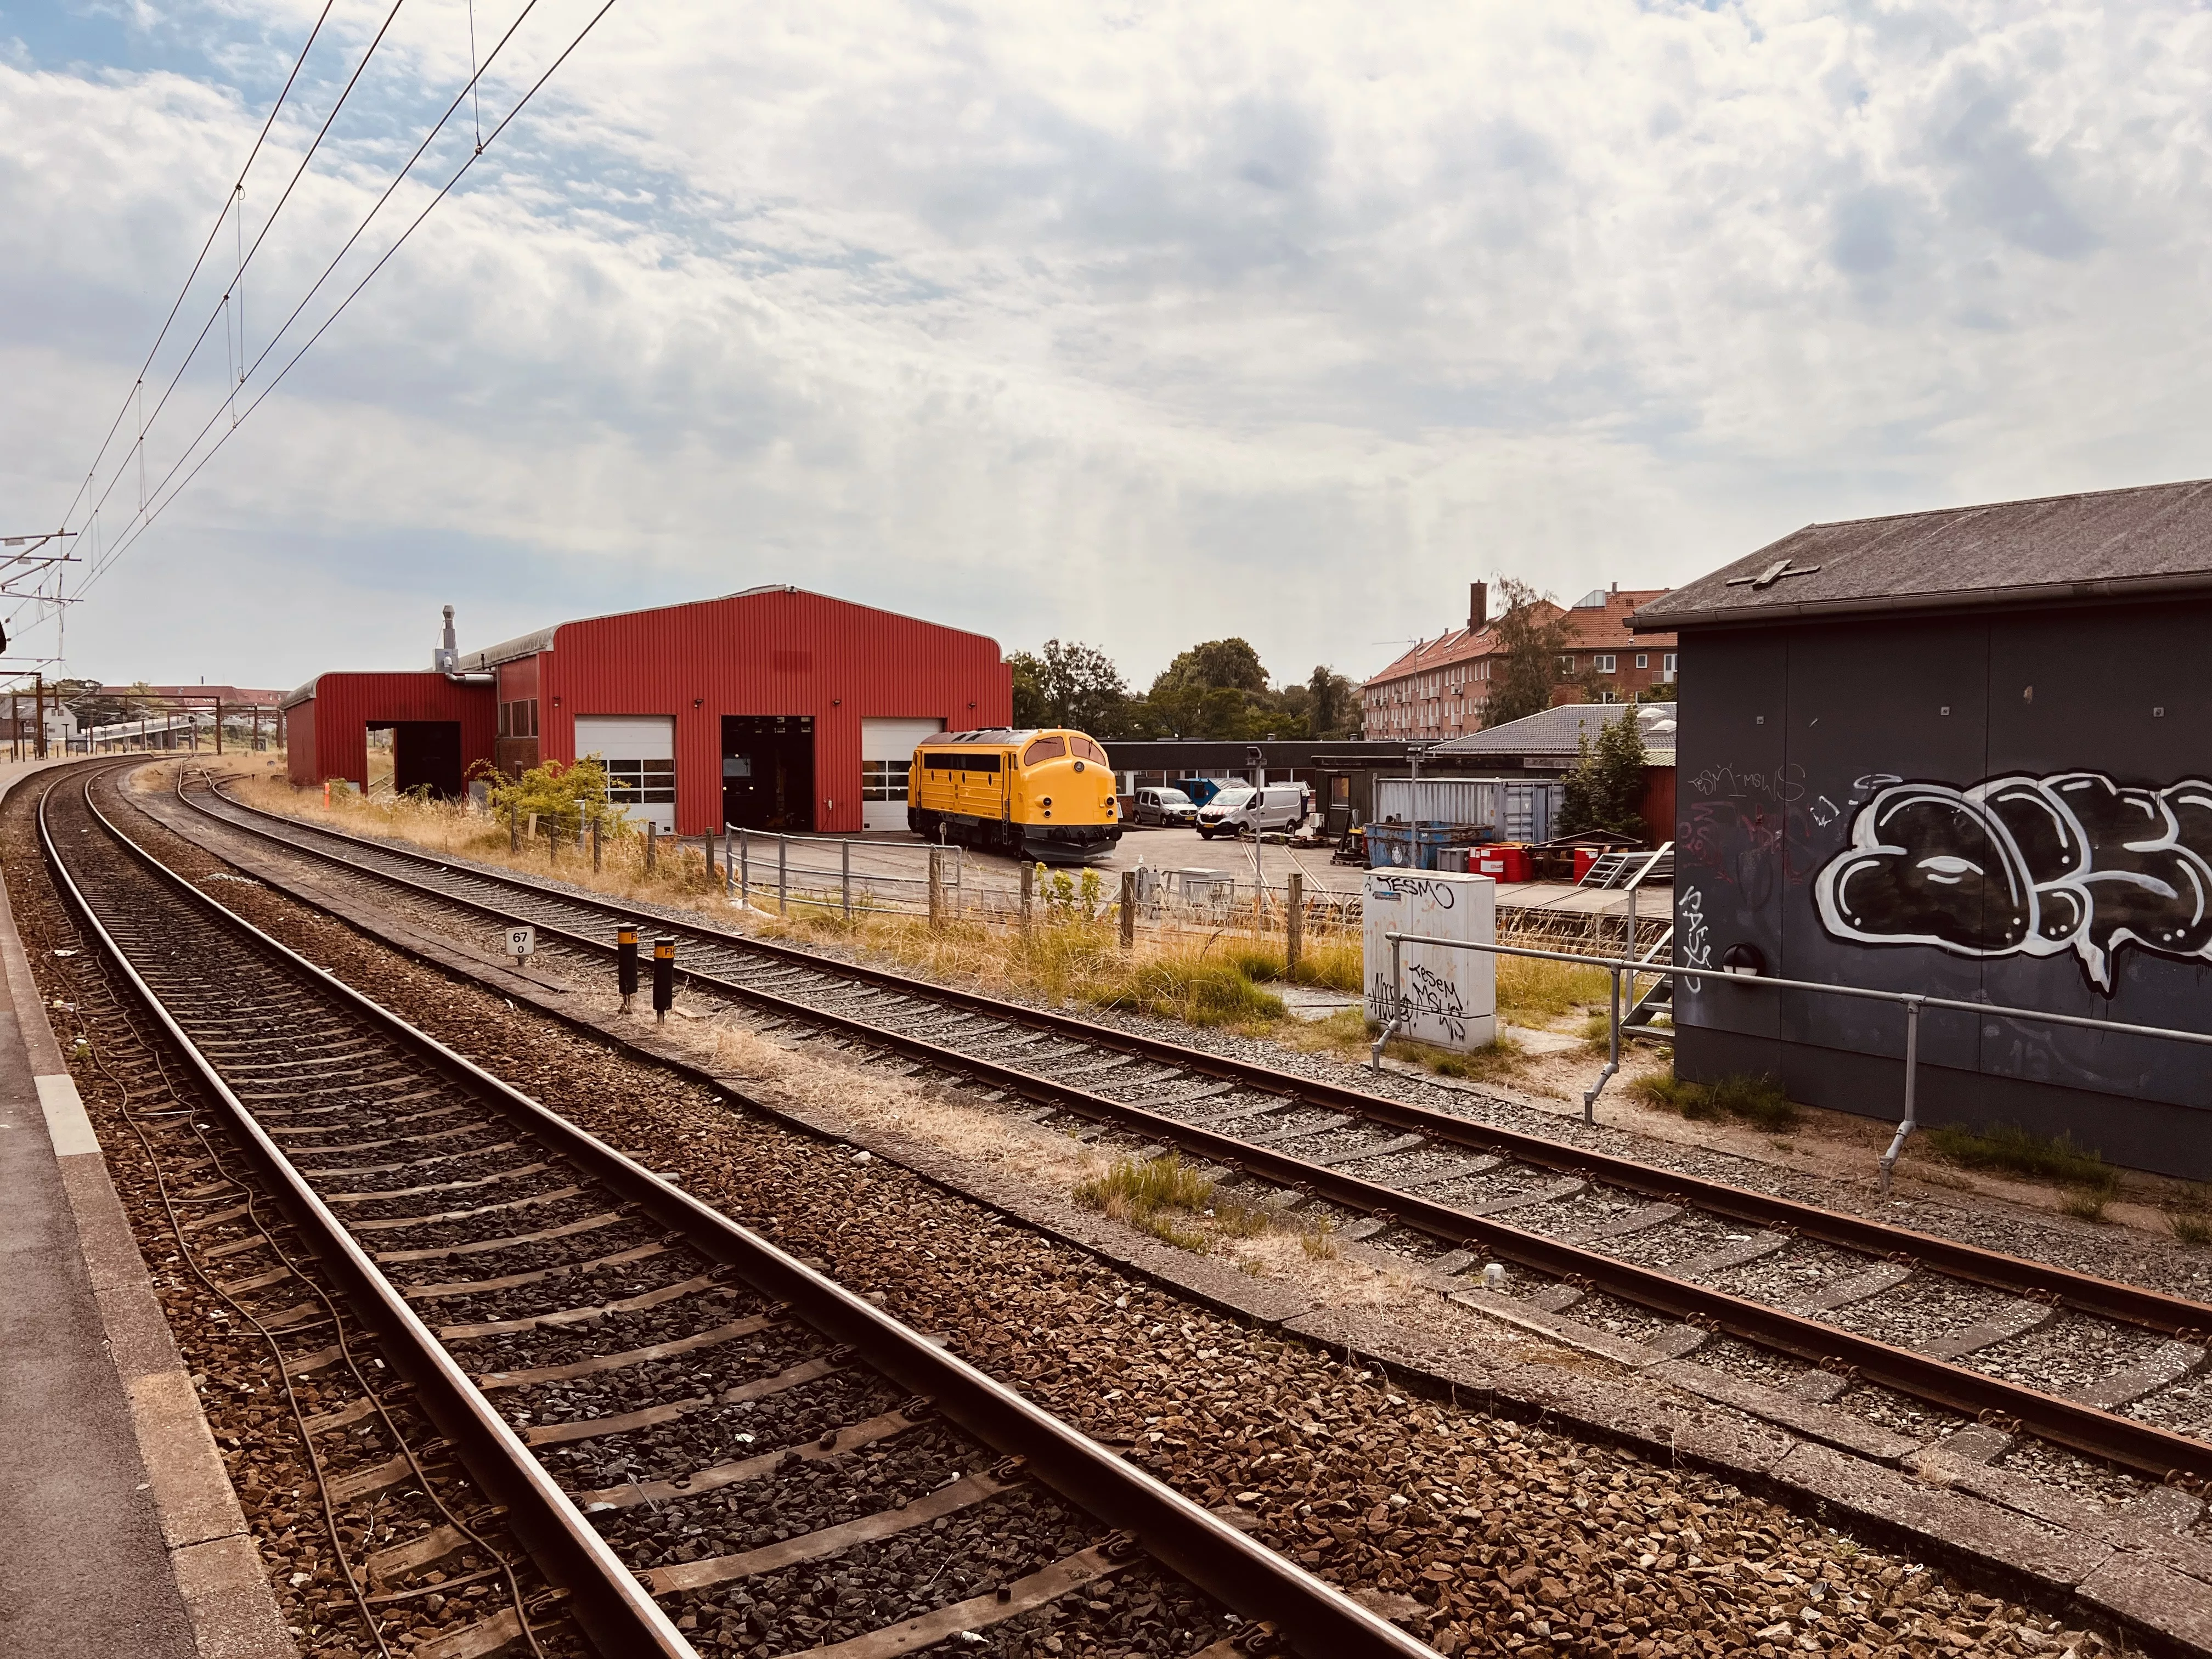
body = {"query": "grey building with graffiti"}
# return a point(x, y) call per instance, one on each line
point(1967, 754)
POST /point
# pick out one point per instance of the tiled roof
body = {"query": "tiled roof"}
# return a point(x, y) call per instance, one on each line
point(1555, 731)
point(2153, 540)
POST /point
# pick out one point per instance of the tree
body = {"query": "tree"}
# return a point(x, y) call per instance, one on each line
point(1332, 703)
point(1072, 684)
point(1230, 663)
point(1605, 790)
point(1531, 637)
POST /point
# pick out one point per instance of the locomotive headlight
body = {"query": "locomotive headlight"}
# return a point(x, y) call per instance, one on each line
point(1047, 801)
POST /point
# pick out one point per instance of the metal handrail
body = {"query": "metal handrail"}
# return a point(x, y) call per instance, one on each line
point(1911, 1001)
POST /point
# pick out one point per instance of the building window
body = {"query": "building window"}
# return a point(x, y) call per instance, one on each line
point(1568, 664)
point(1668, 662)
point(883, 780)
point(519, 719)
point(1644, 659)
point(641, 782)
point(1602, 662)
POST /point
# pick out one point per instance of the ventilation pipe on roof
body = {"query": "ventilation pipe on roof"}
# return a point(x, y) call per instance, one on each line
point(446, 658)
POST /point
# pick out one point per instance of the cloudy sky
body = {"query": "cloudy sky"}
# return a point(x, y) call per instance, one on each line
point(1129, 323)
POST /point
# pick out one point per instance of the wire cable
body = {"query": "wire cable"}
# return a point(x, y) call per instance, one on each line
point(214, 230)
point(269, 224)
point(158, 502)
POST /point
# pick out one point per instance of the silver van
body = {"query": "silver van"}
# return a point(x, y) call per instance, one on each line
point(1242, 810)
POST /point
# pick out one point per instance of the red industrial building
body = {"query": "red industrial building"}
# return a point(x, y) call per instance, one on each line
point(773, 708)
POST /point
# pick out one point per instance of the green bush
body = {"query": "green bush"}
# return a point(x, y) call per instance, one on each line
point(563, 796)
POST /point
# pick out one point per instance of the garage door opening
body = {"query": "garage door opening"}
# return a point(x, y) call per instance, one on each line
point(426, 755)
point(767, 772)
point(639, 754)
point(886, 753)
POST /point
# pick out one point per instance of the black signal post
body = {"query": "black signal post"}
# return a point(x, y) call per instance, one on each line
point(626, 962)
point(663, 977)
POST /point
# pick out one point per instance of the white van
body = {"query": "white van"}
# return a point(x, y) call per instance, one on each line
point(1241, 809)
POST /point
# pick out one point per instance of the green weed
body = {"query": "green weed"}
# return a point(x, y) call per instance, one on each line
point(1162, 1196)
point(1757, 1100)
point(2194, 1231)
point(2007, 1147)
point(1530, 990)
point(2087, 1203)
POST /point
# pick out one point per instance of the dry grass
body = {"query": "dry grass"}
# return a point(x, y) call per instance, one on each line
point(1532, 992)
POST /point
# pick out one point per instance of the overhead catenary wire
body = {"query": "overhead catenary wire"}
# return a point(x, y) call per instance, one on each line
point(159, 502)
point(214, 230)
point(222, 308)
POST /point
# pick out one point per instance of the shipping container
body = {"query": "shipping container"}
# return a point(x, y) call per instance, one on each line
point(1511, 809)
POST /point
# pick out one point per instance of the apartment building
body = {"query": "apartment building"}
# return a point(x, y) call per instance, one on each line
point(1439, 689)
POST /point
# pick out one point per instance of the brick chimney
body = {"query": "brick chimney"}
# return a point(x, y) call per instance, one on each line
point(1478, 606)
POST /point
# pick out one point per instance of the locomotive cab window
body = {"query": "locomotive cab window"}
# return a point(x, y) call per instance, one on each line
point(1088, 749)
point(1044, 749)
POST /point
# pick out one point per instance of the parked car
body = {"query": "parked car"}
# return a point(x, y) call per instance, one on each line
point(1241, 809)
point(1165, 807)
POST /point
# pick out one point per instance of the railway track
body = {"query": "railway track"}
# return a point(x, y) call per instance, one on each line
point(1673, 1261)
point(667, 1426)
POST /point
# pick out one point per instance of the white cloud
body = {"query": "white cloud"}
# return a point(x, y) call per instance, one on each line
point(1128, 325)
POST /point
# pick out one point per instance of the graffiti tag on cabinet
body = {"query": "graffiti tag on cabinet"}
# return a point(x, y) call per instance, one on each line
point(2070, 862)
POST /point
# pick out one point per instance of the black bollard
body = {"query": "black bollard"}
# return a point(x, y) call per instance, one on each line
point(663, 977)
point(626, 962)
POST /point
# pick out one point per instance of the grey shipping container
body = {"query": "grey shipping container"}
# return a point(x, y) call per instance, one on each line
point(1511, 809)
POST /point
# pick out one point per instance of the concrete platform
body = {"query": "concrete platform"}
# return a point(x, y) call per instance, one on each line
point(119, 1534)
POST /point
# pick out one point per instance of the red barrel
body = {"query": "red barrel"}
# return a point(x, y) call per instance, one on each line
point(1504, 861)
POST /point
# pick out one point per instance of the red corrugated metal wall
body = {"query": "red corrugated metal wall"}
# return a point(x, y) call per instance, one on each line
point(300, 743)
point(335, 726)
point(778, 653)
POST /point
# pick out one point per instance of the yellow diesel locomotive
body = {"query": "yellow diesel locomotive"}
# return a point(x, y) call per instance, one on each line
point(1046, 794)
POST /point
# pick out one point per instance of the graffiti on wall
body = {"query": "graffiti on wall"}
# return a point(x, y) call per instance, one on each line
point(2068, 862)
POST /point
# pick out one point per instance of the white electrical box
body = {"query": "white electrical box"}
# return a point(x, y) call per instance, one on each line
point(1446, 997)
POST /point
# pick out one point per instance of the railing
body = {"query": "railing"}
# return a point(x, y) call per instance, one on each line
point(1911, 1001)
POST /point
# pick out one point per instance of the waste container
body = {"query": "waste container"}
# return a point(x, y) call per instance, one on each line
point(1406, 846)
point(1585, 857)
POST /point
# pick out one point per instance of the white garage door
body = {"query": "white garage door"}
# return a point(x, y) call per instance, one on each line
point(640, 752)
point(886, 752)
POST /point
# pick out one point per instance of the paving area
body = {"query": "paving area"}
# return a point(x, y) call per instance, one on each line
point(119, 1534)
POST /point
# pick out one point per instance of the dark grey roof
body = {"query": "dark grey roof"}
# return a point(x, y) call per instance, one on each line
point(2110, 544)
point(1556, 731)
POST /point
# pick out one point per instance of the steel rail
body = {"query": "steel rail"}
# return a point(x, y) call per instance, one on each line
point(605, 1596)
point(2157, 1452)
point(2133, 1304)
point(1313, 1617)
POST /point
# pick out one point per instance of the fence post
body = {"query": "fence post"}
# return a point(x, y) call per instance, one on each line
point(744, 868)
point(845, 875)
point(1296, 922)
point(1911, 1068)
point(595, 847)
point(652, 845)
point(729, 864)
point(1128, 909)
point(783, 875)
point(1029, 894)
point(553, 841)
point(1613, 1063)
point(935, 887)
point(513, 821)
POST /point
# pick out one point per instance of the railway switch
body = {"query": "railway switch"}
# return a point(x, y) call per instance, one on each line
point(626, 962)
point(663, 977)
